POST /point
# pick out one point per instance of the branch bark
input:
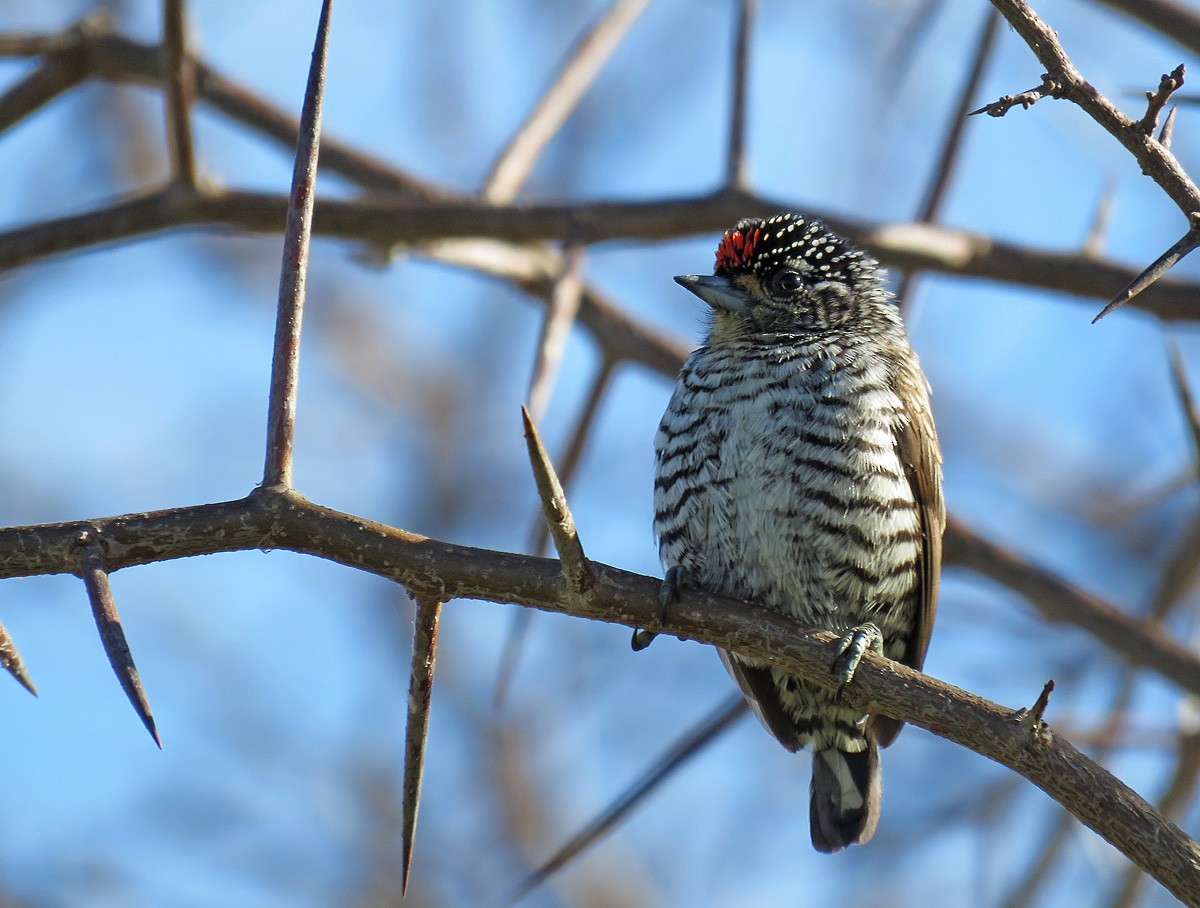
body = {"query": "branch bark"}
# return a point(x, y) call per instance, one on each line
point(277, 519)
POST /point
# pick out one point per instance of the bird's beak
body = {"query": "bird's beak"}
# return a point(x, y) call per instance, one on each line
point(716, 291)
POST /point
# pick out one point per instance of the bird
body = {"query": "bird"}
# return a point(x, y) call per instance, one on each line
point(797, 467)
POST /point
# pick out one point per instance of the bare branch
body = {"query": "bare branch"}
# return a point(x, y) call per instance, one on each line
point(420, 693)
point(565, 298)
point(1155, 161)
point(1038, 874)
point(735, 157)
point(388, 223)
point(92, 568)
point(576, 568)
point(273, 518)
point(180, 76)
point(583, 64)
point(285, 360)
point(64, 65)
point(935, 194)
point(1172, 803)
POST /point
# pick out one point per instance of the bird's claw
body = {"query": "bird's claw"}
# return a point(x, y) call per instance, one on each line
point(668, 595)
point(850, 652)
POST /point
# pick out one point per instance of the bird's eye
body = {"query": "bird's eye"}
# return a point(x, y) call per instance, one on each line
point(785, 282)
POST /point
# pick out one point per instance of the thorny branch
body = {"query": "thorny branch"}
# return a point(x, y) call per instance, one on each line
point(71, 58)
point(1063, 80)
point(280, 519)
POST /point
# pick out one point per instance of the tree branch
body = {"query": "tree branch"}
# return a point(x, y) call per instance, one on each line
point(277, 519)
point(387, 223)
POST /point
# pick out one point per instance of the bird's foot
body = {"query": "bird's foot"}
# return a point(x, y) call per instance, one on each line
point(850, 652)
point(668, 595)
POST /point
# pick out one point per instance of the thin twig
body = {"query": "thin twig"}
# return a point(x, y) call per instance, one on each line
point(735, 158)
point(1155, 161)
point(38, 87)
point(285, 361)
point(93, 569)
point(179, 73)
point(1025, 99)
point(899, 57)
point(689, 745)
point(1157, 100)
point(935, 194)
point(576, 570)
point(556, 330)
point(583, 64)
point(420, 692)
point(11, 661)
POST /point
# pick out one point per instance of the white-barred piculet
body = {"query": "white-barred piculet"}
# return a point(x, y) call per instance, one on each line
point(798, 468)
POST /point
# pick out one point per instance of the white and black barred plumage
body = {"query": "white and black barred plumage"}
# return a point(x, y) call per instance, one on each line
point(798, 467)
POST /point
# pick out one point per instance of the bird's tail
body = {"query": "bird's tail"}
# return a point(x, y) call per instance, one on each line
point(846, 788)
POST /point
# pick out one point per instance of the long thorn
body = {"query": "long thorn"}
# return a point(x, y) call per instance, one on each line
point(420, 691)
point(285, 361)
point(1168, 128)
point(576, 570)
point(540, 532)
point(11, 661)
point(688, 746)
point(1160, 266)
point(94, 571)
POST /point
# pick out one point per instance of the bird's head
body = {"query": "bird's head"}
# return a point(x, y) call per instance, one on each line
point(786, 274)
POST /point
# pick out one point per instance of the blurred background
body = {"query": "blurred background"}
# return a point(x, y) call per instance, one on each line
point(133, 376)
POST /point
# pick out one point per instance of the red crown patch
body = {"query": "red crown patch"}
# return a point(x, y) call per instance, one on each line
point(737, 248)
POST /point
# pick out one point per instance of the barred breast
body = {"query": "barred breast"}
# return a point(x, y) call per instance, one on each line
point(779, 481)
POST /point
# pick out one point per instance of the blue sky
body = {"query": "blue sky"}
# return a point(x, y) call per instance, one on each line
point(135, 378)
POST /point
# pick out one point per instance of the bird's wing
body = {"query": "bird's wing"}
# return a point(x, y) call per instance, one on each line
point(918, 447)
